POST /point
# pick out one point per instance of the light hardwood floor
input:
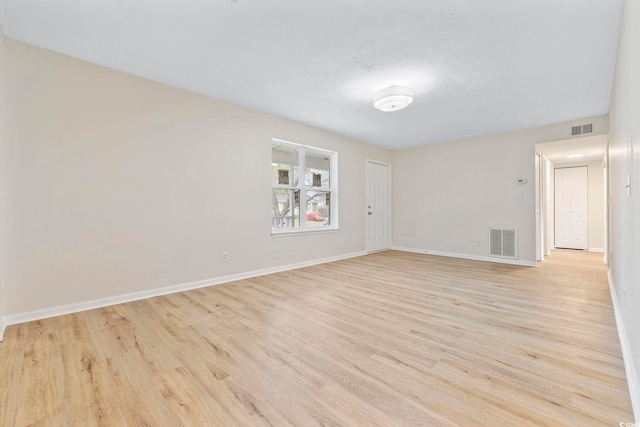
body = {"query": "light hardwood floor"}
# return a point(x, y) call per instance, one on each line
point(390, 339)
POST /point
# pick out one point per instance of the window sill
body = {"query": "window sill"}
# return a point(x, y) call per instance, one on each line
point(294, 232)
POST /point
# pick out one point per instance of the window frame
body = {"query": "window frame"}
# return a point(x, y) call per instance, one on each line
point(303, 228)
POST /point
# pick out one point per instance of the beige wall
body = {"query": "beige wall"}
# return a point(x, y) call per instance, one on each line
point(446, 196)
point(624, 165)
point(124, 185)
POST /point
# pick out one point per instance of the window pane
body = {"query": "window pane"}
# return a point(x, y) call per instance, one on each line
point(318, 208)
point(301, 196)
point(285, 209)
point(285, 166)
point(316, 173)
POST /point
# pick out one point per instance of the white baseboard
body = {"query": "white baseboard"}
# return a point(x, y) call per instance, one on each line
point(596, 250)
point(135, 296)
point(464, 256)
point(629, 366)
point(3, 326)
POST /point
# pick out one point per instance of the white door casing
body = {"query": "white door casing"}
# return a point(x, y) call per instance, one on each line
point(571, 208)
point(378, 206)
point(539, 209)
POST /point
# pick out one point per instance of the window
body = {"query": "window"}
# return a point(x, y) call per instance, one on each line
point(304, 188)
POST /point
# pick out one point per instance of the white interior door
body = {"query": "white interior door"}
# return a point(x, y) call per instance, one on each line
point(571, 208)
point(378, 206)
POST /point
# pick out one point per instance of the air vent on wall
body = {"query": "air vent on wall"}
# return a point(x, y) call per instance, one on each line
point(579, 130)
point(503, 243)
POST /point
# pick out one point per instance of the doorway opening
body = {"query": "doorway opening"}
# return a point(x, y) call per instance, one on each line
point(560, 167)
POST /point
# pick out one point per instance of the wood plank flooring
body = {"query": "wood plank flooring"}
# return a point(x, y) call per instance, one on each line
point(389, 339)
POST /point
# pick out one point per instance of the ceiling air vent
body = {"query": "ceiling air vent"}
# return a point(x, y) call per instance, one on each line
point(579, 130)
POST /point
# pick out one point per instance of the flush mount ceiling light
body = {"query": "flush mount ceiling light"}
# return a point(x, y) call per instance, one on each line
point(393, 98)
point(574, 156)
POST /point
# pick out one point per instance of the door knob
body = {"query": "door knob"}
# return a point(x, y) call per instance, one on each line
point(369, 213)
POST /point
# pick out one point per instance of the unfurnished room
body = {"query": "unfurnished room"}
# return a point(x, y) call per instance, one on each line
point(293, 213)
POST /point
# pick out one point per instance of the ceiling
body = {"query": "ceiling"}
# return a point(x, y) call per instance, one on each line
point(592, 148)
point(476, 66)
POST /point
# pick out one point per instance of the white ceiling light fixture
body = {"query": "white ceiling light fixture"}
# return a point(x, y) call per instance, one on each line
point(574, 156)
point(393, 98)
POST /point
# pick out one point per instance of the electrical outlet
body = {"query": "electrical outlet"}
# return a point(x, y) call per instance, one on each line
point(224, 257)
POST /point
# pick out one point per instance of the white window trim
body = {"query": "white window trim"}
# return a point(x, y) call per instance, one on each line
point(333, 156)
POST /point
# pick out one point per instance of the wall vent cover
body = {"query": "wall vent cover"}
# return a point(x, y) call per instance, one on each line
point(503, 242)
point(579, 130)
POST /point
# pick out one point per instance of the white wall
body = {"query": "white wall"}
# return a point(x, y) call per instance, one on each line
point(446, 196)
point(3, 185)
point(550, 220)
point(123, 185)
point(595, 201)
point(624, 163)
